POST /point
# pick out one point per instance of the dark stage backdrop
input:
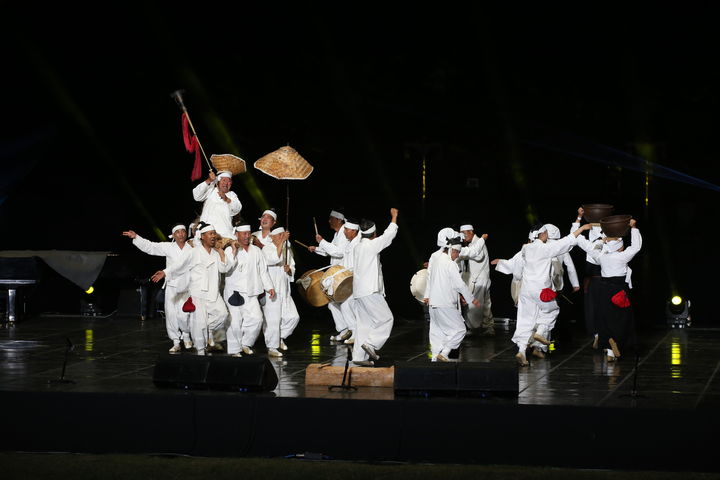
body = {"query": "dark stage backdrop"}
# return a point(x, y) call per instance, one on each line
point(514, 119)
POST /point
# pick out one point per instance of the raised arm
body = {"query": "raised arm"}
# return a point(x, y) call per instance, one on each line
point(158, 249)
point(201, 192)
point(636, 243)
point(383, 241)
point(572, 273)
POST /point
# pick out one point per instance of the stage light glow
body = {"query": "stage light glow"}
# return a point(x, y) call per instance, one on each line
point(90, 290)
point(675, 358)
point(315, 345)
point(676, 300)
point(88, 340)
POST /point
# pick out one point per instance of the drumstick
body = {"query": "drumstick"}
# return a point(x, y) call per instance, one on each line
point(302, 244)
point(315, 223)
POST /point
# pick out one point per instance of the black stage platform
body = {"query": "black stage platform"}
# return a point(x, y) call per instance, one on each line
point(573, 408)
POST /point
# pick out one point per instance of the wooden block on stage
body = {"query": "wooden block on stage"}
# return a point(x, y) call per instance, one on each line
point(319, 374)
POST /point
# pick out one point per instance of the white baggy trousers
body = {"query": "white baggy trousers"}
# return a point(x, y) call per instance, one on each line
point(374, 324)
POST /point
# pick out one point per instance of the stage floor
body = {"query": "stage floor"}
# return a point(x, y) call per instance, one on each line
point(677, 368)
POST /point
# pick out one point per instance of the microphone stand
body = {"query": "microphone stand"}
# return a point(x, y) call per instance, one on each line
point(70, 347)
point(345, 386)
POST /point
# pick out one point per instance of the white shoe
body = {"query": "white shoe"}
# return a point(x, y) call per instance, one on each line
point(349, 341)
point(188, 344)
point(273, 352)
point(340, 336)
point(282, 345)
point(247, 350)
point(370, 351)
point(175, 348)
point(236, 355)
point(441, 358)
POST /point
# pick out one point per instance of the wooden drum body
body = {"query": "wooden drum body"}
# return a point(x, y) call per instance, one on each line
point(337, 283)
point(309, 287)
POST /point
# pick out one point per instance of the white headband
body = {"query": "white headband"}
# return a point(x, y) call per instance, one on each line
point(242, 228)
point(337, 215)
point(269, 212)
point(368, 231)
point(612, 246)
point(457, 247)
point(207, 228)
point(277, 231)
point(224, 175)
point(444, 234)
point(466, 227)
point(535, 233)
point(176, 228)
point(351, 226)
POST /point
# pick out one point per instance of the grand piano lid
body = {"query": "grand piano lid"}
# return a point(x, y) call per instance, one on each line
point(81, 268)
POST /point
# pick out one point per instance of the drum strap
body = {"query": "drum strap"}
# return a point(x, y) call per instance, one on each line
point(306, 281)
point(328, 281)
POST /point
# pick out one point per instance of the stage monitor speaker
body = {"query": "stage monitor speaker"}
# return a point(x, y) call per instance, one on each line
point(425, 378)
point(181, 371)
point(455, 378)
point(251, 374)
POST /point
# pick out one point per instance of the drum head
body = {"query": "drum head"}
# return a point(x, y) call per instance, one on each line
point(418, 284)
point(343, 290)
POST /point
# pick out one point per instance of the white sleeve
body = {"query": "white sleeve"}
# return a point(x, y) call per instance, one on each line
point(151, 248)
point(271, 255)
point(264, 274)
point(330, 249)
point(228, 264)
point(383, 241)
point(458, 285)
point(201, 192)
point(589, 247)
point(570, 269)
point(473, 251)
point(179, 268)
point(235, 205)
point(559, 247)
point(632, 250)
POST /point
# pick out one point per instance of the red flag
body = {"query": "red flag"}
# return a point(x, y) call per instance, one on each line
point(192, 146)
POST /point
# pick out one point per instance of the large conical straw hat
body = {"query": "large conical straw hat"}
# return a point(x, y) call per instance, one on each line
point(285, 163)
point(229, 163)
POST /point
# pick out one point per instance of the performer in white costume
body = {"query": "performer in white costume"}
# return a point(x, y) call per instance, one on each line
point(220, 204)
point(281, 315)
point(335, 249)
point(177, 322)
point(204, 264)
point(243, 283)
point(537, 307)
point(374, 318)
point(447, 326)
point(475, 270)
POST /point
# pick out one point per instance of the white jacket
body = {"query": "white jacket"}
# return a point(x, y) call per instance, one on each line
point(249, 275)
point(204, 269)
point(173, 255)
point(367, 269)
point(444, 283)
point(216, 211)
point(335, 249)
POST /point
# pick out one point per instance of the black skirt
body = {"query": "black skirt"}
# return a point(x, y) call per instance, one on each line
point(614, 321)
point(590, 296)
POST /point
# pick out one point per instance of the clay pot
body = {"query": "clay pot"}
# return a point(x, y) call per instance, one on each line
point(616, 225)
point(595, 211)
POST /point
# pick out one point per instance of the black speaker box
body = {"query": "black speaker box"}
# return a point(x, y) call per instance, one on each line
point(252, 374)
point(455, 378)
point(181, 371)
point(477, 377)
point(417, 378)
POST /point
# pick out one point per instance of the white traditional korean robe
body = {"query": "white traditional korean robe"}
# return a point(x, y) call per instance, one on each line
point(374, 318)
point(447, 326)
point(249, 277)
point(177, 322)
point(204, 269)
point(477, 278)
point(216, 211)
point(336, 251)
